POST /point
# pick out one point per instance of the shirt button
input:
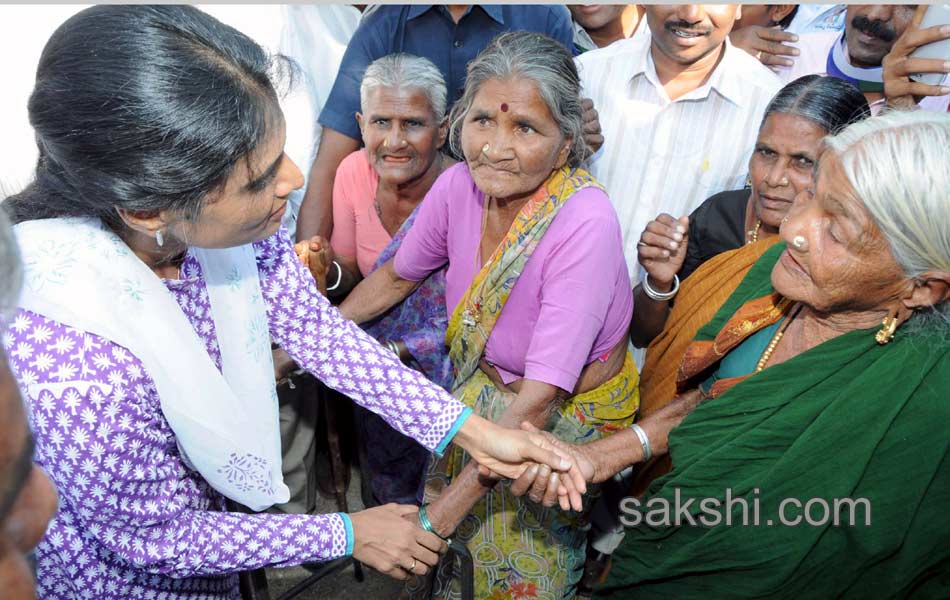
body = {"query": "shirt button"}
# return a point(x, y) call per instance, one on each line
point(457, 43)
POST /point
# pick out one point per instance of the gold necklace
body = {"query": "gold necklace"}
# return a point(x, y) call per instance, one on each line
point(764, 359)
point(754, 233)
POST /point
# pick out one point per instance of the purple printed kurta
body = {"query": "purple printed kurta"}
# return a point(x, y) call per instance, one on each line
point(134, 521)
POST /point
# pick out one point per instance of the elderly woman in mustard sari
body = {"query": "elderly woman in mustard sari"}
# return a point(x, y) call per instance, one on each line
point(826, 378)
point(538, 293)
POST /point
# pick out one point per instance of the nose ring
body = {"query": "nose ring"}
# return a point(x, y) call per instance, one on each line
point(798, 241)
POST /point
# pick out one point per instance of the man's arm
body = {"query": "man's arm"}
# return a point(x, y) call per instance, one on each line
point(316, 211)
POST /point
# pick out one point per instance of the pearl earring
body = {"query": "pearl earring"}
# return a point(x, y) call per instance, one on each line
point(159, 238)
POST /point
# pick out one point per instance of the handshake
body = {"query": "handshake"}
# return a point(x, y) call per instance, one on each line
point(399, 540)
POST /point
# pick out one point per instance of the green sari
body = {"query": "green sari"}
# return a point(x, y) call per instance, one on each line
point(846, 419)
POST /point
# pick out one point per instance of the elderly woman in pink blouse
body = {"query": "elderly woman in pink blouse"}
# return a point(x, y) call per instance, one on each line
point(156, 274)
point(376, 195)
point(539, 300)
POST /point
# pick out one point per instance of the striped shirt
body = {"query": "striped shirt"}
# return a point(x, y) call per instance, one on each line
point(662, 156)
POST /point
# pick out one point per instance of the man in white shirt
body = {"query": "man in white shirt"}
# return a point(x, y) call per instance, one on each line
point(680, 109)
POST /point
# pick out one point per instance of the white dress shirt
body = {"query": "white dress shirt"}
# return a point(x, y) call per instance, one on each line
point(669, 156)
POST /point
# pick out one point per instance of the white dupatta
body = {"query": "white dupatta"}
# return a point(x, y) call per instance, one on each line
point(79, 273)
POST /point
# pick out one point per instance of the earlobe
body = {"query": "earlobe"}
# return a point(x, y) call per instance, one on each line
point(443, 131)
point(930, 289)
point(147, 222)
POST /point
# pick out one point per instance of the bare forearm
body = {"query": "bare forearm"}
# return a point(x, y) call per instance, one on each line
point(649, 317)
point(376, 294)
point(534, 403)
point(613, 454)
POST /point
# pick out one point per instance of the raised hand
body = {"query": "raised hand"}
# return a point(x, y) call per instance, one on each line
point(767, 44)
point(389, 539)
point(662, 249)
point(899, 89)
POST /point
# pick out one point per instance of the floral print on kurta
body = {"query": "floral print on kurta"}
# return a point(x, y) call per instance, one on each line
point(134, 520)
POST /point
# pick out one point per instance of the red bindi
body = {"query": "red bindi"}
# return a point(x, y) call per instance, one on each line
point(504, 107)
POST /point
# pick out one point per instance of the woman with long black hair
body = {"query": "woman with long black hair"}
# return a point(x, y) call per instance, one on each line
point(156, 275)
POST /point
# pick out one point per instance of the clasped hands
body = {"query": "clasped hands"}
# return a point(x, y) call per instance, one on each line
point(390, 539)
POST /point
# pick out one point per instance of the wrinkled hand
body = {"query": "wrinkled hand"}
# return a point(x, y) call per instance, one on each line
point(899, 89)
point(592, 132)
point(662, 249)
point(544, 486)
point(317, 255)
point(767, 44)
point(508, 453)
point(388, 538)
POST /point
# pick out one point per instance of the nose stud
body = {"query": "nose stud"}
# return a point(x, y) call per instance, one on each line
point(783, 182)
point(486, 148)
point(798, 241)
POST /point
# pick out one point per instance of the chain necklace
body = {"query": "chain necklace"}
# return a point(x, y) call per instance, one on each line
point(754, 233)
point(775, 340)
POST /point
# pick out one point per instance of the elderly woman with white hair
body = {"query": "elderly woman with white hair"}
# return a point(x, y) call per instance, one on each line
point(540, 300)
point(823, 441)
point(376, 195)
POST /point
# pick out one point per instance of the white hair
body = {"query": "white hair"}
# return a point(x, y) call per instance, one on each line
point(898, 165)
point(401, 70)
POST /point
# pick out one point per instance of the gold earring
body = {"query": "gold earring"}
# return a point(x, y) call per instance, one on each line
point(886, 333)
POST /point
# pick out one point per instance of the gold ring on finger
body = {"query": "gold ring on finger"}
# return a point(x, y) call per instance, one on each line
point(412, 566)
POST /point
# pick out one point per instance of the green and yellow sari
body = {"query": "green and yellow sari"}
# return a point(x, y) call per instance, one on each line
point(848, 419)
point(521, 549)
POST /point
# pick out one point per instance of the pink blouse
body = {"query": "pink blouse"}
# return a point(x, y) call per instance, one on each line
point(572, 302)
point(357, 231)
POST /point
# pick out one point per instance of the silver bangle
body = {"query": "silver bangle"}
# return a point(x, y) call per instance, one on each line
point(660, 296)
point(394, 348)
point(339, 277)
point(644, 441)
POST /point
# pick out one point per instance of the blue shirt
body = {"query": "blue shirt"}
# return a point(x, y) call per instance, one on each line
point(429, 31)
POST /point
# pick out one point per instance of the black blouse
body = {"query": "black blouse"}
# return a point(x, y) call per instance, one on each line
point(717, 226)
